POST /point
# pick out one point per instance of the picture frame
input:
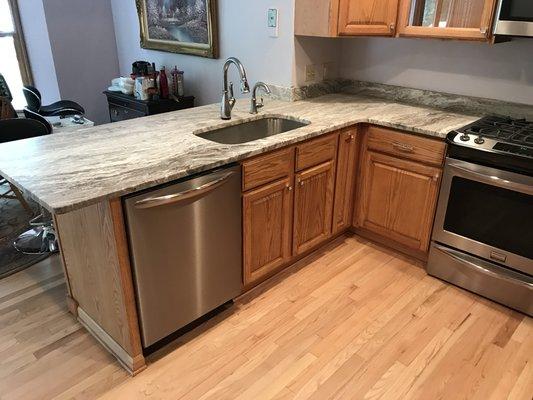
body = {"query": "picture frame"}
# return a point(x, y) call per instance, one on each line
point(179, 26)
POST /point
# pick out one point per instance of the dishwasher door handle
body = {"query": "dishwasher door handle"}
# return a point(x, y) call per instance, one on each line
point(186, 194)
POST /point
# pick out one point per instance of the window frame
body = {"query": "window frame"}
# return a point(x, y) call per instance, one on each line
point(20, 44)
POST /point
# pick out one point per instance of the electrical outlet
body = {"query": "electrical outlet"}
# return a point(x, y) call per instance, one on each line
point(273, 22)
point(310, 73)
point(328, 70)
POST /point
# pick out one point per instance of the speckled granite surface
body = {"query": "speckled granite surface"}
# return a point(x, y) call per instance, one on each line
point(66, 171)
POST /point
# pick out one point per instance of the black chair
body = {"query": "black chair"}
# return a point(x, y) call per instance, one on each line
point(61, 108)
point(29, 114)
point(42, 237)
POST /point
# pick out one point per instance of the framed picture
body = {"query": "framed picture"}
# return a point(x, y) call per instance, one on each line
point(179, 26)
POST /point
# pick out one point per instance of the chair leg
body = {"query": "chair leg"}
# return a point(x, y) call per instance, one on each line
point(21, 199)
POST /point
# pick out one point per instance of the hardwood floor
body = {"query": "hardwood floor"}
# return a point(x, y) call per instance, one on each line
point(353, 321)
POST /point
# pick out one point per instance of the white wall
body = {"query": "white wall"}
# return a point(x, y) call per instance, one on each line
point(39, 50)
point(82, 39)
point(503, 71)
point(316, 51)
point(243, 34)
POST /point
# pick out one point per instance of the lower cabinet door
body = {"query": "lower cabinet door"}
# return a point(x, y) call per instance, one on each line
point(313, 206)
point(344, 183)
point(397, 199)
point(267, 218)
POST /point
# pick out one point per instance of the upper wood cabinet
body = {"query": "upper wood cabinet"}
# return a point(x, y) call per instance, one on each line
point(344, 182)
point(367, 17)
point(446, 19)
point(449, 19)
point(313, 206)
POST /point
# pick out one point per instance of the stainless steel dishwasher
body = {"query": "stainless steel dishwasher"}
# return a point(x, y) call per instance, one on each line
point(185, 245)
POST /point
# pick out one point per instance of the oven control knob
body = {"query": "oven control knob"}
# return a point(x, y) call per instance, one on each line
point(464, 137)
point(479, 140)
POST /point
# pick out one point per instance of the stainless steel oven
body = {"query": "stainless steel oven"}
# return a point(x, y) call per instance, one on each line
point(514, 18)
point(483, 233)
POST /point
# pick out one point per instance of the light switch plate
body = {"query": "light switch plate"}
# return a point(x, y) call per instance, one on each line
point(272, 22)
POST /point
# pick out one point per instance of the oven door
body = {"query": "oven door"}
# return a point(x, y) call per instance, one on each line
point(515, 18)
point(486, 212)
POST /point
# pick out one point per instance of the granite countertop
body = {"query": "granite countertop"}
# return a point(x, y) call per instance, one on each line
point(67, 171)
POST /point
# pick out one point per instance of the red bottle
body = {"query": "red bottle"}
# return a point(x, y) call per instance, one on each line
point(163, 84)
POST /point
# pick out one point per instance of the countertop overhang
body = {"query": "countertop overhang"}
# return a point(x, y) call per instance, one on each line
point(71, 170)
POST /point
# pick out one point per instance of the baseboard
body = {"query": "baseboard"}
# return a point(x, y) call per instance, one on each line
point(133, 365)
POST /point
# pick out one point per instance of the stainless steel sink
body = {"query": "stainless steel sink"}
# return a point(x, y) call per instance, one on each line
point(253, 130)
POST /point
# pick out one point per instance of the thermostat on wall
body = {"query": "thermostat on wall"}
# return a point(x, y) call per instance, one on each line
point(272, 22)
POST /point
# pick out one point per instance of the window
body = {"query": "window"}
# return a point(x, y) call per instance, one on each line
point(13, 58)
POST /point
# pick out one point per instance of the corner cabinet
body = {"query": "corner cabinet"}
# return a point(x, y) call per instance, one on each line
point(345, 180)
point(367, 17)
point(467, 20)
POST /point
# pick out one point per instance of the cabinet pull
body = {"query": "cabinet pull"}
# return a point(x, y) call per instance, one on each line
point(391, 27)
point(300, 182)
point(404, 148)
point(349, 138)
point(289, 187)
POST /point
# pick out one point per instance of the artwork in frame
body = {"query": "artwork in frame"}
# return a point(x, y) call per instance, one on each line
point(179, 26)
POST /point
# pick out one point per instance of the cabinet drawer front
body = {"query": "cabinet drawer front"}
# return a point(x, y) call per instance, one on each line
point(316, 151)
point(268, 168)
point(121, 114)
point(429, 151)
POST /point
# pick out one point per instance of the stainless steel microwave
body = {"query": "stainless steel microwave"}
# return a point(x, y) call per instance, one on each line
point(514, 18)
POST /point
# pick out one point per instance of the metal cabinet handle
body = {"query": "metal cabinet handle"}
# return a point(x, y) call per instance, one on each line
point(404, 148)
point(492, 179)
point(186, 194)
point(289, 187)
point(391, 27)
point(349, 138)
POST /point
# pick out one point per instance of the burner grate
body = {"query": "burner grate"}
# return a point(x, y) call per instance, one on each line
point(518, 131)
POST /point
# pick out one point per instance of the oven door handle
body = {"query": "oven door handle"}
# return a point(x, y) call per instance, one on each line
point(492, 180)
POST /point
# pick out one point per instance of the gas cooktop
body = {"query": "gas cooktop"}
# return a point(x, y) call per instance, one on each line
point(497, 141)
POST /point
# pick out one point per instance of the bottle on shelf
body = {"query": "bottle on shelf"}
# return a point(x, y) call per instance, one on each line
point(163, 84)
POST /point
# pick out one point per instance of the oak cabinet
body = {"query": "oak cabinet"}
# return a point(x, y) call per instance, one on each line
point(313, 206)
point(445, 19)
point(397, 199)
point(448, 19)
point(267, 217)
point(367, 17)
point(344, 182)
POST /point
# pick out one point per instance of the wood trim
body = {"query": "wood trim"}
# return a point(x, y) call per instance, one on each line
point(126, 275)
point(72, 309)
point(95, 255)
point(20, 45)
point(133, 365)
point(316, 17)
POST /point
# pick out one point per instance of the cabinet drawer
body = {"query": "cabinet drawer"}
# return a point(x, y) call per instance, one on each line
point(404, 145)
point(117, 113)
point(316, 151)
point(267, 168)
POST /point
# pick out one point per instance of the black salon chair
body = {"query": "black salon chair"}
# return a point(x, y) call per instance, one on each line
point(29, 114)
point(61, 108)
point(41, 238)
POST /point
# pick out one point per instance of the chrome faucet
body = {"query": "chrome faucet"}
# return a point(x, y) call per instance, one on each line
point(254, 106)
point(228, 101)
